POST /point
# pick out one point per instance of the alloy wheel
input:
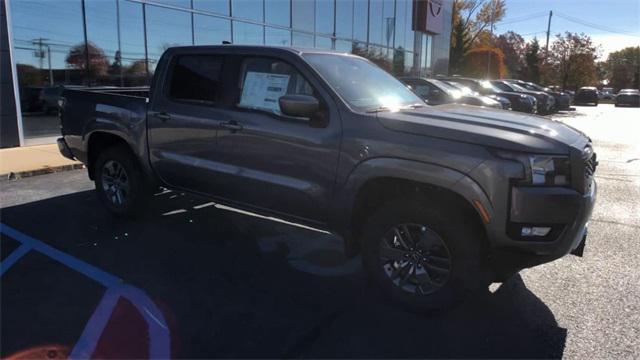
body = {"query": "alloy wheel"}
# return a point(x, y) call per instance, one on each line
point(115, 182)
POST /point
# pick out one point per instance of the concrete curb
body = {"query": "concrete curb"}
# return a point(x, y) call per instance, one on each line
point(42, 171)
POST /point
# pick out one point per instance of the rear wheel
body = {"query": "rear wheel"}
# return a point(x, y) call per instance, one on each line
point(426, 258)
point(120, 183)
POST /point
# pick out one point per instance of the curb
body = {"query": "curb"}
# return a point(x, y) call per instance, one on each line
point(43, 171)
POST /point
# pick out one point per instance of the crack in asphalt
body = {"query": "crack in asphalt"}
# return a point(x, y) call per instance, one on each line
point(615, 223)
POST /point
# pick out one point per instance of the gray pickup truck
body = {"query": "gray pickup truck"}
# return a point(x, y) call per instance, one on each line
point(440, 201)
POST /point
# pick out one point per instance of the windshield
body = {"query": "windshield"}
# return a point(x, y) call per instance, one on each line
point(517, 87)
point(362, 84)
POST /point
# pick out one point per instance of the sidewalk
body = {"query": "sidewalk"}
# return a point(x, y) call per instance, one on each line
point(27, 161)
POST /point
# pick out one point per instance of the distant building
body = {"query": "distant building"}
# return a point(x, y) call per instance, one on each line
point(49, 43)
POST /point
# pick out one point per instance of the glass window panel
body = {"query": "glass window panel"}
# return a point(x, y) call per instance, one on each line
point(409, 34)
point(245, 33)
point(247, 9)
point(132, 44)
point(196, 78)
point(323, 42)
point(216, 6)
point(360, 13)
point(376, 28)
point(324, 16)
point(408, 62)
point(279, 37)
point(102, 34)
point(399, 61)
point(278, 12)
point(302, 40)
point(270, 79)
point(49, 51)
point(343, 45)
point(388, 22)
point(344, 18)
point(302, 12)
point(211, 30)
point(401, 18)
point(166, 28)
point(176, 3)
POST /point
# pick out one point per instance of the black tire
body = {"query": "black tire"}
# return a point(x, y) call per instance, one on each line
point(462, 236)
point(135, 198)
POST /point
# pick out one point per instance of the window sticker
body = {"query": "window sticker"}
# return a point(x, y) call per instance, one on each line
point(262, 90)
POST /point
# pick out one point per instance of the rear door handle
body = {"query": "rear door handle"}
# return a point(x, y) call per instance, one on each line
point(231, 125)
point(162, 116)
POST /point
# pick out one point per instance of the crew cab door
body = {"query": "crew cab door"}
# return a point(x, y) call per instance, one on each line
point(183, 120)
point(275, 162)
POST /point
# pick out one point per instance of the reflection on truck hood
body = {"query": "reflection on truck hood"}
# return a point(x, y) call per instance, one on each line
point(496, 128)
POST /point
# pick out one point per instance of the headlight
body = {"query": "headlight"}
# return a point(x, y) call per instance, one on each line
point(542, 170)
point(549, 170)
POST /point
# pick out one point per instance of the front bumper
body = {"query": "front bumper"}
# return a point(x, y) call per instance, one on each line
point(563, 209)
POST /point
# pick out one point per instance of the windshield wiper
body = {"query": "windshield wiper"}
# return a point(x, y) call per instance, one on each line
point(414, 106)
point(378, 109)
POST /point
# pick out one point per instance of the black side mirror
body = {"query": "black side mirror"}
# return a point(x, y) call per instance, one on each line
point(299, 105)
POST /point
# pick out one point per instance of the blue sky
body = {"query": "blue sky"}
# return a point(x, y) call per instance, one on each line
point(621, 16)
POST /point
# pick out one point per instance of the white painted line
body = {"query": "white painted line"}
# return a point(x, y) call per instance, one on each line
point(174, 212)
point(204, 205)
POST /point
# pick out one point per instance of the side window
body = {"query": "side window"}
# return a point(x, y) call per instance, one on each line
point(196, 78)
point(263, 81)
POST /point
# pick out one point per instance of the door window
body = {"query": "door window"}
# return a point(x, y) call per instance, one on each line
point(263, 81)
point(196, 78)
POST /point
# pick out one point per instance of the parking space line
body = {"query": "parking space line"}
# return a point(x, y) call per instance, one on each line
point(13, 258)
point(159, 336)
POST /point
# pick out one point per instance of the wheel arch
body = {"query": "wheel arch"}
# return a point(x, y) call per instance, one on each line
point(376, 181)
point(98, 141)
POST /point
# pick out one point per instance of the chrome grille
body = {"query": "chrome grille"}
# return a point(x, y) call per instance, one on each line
point(590, 164)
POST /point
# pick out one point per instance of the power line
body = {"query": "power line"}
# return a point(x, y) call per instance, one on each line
point(594, 25)
point(523, 18)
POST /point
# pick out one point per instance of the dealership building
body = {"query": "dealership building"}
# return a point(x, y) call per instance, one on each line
point(48, 45)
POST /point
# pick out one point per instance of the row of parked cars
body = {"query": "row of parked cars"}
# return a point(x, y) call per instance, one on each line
point(508, 94)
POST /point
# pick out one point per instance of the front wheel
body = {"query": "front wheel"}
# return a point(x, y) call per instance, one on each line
point(426, 258)
point(120, 183)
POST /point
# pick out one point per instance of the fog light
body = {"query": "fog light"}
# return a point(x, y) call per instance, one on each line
point(534, 231)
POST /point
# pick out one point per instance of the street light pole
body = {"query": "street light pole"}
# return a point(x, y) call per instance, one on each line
point(546, 47)
point(490, 38)
point(50, 70)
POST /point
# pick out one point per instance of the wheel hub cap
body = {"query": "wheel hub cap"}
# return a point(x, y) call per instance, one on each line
point(115, 182)
point(415, 258)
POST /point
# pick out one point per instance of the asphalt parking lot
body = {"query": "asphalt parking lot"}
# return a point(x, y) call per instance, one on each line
point(231, 285)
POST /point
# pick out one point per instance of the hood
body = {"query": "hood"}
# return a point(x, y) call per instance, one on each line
point(489, 127)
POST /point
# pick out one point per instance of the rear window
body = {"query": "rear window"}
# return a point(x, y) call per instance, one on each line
point(196, 78)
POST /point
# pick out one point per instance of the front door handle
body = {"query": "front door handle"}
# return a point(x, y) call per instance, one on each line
point(162, 116)
point(231, 125)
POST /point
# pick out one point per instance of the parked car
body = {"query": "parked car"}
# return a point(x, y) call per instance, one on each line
point(586, 95)
point(607, 93)
point(562, 99)
point(437, 92)
point(519, 102)
point(546, 102)
point(628, 97)
point(466, 91)
point(440, 200)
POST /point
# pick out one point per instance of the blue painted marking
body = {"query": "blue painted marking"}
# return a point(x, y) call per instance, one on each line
point(78, 265)
point(159, 337)
point(13, 258)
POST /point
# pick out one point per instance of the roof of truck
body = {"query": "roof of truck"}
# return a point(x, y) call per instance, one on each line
point(295, 50)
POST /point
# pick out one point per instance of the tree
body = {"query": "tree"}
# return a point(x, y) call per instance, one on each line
point(460, 46)
point(532, 60)
point(623, 68)
point(476, 63)
point(572, 60)
point(514, 48)
point(98, 63)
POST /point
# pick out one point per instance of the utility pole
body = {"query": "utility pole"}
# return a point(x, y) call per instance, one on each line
point(546, 47)
point(41, 43)
point(490, 39)
point(50, 70)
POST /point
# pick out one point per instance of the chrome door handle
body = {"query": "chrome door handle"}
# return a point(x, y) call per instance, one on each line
point(162, 116)
point(231, 125)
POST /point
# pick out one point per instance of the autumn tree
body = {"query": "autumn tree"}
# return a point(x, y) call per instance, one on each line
point(623, 68)
point(532, 61)
point(98, 63)
point(476, 65)
point(572, 60)
point(514, 48)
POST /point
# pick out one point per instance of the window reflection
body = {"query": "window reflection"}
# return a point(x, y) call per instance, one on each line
point(360, 14)
point(247, 9)
point(302, 40)
point(323, 42)
point(344, 18)
point(324, 16)
point(245, 33)
point(216, 6)
point(165, 29)
point(278, 12)
point(211, 30)
point(302, 15)
point(277, 37)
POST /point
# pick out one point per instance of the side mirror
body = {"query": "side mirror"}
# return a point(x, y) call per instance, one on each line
point(299, 105)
